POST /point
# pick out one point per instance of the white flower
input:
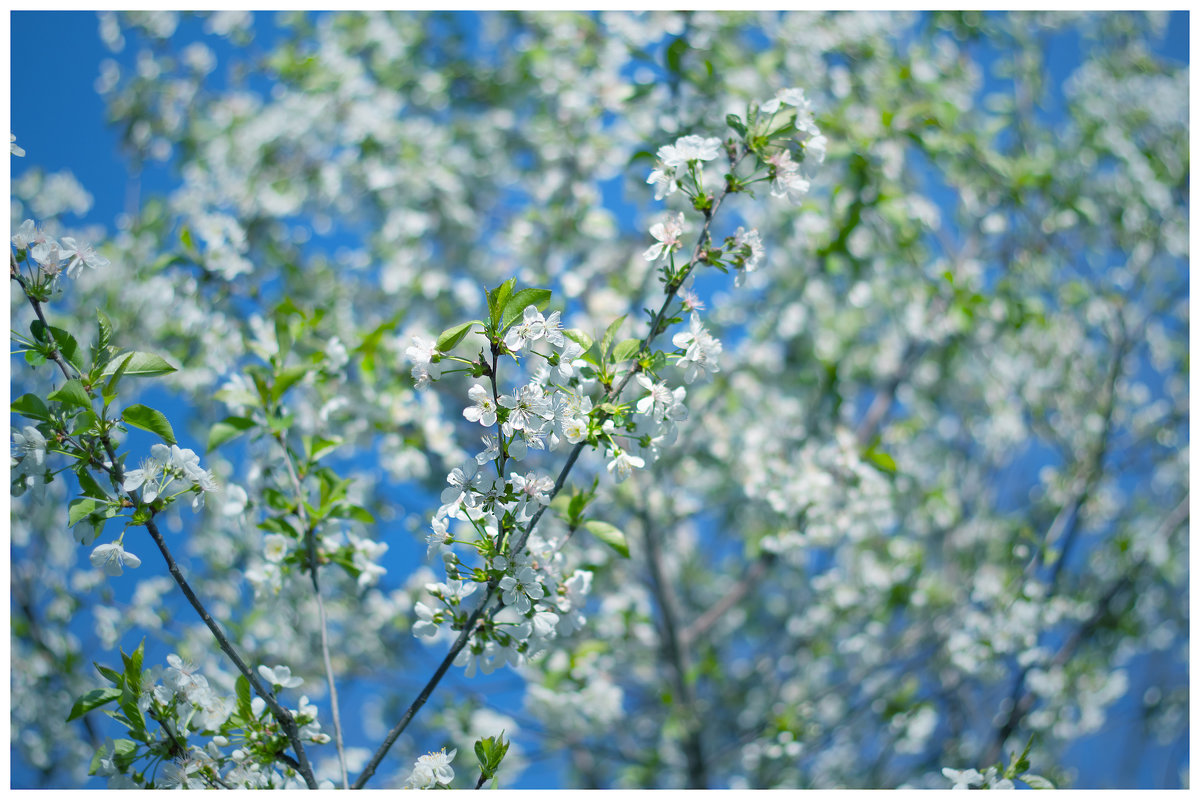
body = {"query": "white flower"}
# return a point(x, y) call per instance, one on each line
point(26, 235)
point(13, 147)
point(31, 445)
point(531, 328)
point(439, 537)
point(574, 429)
point(663, 181)
point(463, 481)
point(367, 553)
point(564, 368)
point(519, 589)
point(688, 149)
point(661, 400)
point(423, 353)
point(484, 410)
point(667, 233)
point(280, 676)
point(427, 622)
point(526, 407)
point(815, 147)
point(553, 332)
point(491, 450)
point(277, 547)
point(80, 254)
point(701, 349)
point(112, 558)
point(431, 770)
point(748, 253)
point(789, 97)
point(623, 464)
point(787, 180)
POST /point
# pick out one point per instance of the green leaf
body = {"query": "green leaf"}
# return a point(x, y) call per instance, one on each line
point(675, 55)
point(449, 338)
point(287, 378)
point(72, 393)
point(80, 508)
point(64, 342)
point(92, 700)
point(497, 298)
point(185, 236)
point(124, 752)
point(881, 460)
point(242, 688)
point(346, 511)
point(515, 306)
point(110, 389)
point(609, 335)
point(735, 122)
point(143, 365)
point(578, 336)
point(626, 350)
point(1036, 781)
point(226, 429)
point(149, 419)
point(317, 446)
point(111, 674)
point(610, 534)
point(30, 405)
point(88, 484)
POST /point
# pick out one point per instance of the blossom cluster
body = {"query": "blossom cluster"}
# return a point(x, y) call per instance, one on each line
point(432, 770)
point(168, 472)
point(52, 255)
point(486, 507)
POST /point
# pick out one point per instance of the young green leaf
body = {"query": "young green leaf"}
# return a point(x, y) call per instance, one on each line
point(226, 429)
point(149, 419)
point(515, 306)
point(64, 342)
point(609, 335)
point(72, 393)
point(287, 378)
point(31, 406)
point(242, 689)
point(626, 350)
point(93, 700)
point(448, 339)
point(80, 508)
point(610, 534)
point(497, 298)
point(578, 336)
point(882, 461)
point(143, 365)
point(109, 392)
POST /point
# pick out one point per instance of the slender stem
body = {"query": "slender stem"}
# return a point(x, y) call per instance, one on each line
point(394, 734)
point(677, 655)
point(310, 537)
point(705, 621)
point(55, 353)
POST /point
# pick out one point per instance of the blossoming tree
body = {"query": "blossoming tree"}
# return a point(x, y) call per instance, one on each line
point(903, 500)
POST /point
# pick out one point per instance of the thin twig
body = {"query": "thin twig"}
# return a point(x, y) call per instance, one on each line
point(705, 621)
point(310, 536)
point(677, 654)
